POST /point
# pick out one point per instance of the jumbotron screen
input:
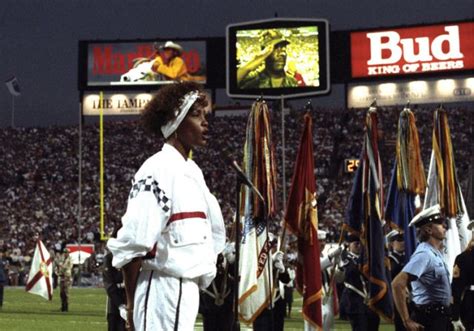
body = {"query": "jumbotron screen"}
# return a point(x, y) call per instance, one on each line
point(275, 58)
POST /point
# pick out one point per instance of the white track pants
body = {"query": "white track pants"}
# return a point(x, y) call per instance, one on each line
point(165, 303)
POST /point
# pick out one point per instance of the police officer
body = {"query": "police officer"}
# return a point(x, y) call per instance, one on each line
point(428, 274)
point(463, 288)
point(354, 297)
point(64, 271)
point(396, 255)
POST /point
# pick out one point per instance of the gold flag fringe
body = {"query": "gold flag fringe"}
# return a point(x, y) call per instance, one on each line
point(410, 172)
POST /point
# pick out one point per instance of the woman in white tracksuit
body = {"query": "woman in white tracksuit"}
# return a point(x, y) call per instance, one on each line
point(173, 228)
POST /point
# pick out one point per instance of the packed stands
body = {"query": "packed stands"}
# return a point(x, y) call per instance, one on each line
point(40, 174)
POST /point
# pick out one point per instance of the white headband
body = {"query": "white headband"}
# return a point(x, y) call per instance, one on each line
point(180, 113)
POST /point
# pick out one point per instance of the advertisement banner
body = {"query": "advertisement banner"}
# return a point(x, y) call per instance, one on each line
point(145, 63)
point(417, 92)
point(114, 103)
point(414, 50)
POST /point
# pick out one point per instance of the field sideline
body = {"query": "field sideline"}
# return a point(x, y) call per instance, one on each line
point(24, 311)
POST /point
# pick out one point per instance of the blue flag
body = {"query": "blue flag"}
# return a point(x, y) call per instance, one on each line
point(408, 180)
point(365, 218)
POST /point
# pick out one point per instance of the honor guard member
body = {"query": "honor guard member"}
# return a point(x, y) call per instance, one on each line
point(216, 302)
point(396, 255)
point(326, 262)
point(3, 277)
point(463, 288)
point(64, 272)
point(428, 274)
point(273, 318)
point(354, 297)
point(115, 288)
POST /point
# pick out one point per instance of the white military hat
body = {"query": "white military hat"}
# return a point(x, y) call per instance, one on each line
point(470, 226)
point(392, 235)
point(426, 216)
point(322, 234)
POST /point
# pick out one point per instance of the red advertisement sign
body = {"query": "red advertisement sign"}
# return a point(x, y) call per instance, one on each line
point(421, 49)
point(146, 63)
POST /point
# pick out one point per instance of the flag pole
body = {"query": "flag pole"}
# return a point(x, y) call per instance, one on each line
point(283, 148)
point(236, 326)
point(79, 200)
point(13, 111)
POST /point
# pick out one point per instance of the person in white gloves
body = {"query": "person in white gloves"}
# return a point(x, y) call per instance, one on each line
point(273, 318)
point(216, 302)
point(328, 261)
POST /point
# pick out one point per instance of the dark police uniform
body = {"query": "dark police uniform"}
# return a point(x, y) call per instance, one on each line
point(216, 302)
point(3, 279)
point(463, 288)
point(114, 286)
point(264, 321)
point(397, 262)
point(354, 296)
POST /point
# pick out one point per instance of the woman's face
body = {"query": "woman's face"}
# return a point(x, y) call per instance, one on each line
point(193, 131)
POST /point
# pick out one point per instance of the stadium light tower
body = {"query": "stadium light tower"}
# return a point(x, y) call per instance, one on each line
point(14, 89)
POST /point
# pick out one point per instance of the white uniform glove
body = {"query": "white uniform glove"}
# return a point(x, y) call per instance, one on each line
point(325, 262)
point(458, 326)
point(278, 261)
point(229, 252)
point(123, 311)
point(335, 253)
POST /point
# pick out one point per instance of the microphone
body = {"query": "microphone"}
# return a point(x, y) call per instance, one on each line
point(243, 177)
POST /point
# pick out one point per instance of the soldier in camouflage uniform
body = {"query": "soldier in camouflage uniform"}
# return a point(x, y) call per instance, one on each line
point(63, 269)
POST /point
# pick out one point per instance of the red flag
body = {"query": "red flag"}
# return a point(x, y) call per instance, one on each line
point(40, 280)
point(302, 219)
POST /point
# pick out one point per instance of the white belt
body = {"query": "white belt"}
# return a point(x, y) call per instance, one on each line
point(356, 290)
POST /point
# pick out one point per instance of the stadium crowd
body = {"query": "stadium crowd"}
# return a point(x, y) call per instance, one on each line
point(40, 173)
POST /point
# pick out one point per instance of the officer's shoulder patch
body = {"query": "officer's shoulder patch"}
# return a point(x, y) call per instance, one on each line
point(456, 271)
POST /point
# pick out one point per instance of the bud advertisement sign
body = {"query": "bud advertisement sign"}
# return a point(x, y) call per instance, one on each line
point(422, 49)
point(417, 92)
point(145, 63)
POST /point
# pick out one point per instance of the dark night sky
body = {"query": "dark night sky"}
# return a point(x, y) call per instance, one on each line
point(39, 38)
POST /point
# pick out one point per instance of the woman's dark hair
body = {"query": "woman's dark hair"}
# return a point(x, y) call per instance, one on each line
point(161, 108)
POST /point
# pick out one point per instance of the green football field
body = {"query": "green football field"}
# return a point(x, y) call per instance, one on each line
point(24, 311)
